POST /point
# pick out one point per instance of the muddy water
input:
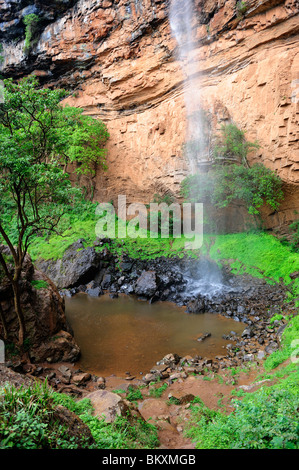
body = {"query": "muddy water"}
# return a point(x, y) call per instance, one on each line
point(126, 335)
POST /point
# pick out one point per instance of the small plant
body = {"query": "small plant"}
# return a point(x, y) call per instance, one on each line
point(134, 395)
point(39, 284)
point(1, 56)
point(31, 22)
point(231, 145)
point(238, 393)
point(157, 392)
point(242, 8)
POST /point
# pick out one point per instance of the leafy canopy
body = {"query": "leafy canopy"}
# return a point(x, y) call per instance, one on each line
point(38, 138)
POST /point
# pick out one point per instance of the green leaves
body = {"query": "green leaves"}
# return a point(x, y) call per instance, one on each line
point(31, 22)
point(224, 185)
point(231, 145)
point(38, 139)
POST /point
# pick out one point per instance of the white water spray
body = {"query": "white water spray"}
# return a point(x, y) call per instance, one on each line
point(183, 25)
point(183, 21)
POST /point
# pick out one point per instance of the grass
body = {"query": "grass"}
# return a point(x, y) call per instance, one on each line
point(158, 392)
point(40, 284)
point(27, 422)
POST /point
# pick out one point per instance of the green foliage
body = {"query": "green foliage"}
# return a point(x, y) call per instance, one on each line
point(134, 394)
point(231, 145)
point(37, 135)
point(1, 56)
point(225, 185)
point(31, 22)
point(242, 8)
point(293, 240)
point(276, 317)
point(289, 337)
point(163, 200)
point(82, 140)
point(265, 419)
point(40, 284)
point(27, 420)
point(158, 392)
point(124, 433)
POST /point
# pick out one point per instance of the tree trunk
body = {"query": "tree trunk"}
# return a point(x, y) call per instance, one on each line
point(2, 318)
point(19, 311)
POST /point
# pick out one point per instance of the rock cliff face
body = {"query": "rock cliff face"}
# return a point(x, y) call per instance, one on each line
point(118, 59)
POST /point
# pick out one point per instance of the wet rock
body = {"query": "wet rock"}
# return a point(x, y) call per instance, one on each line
point(153, 408)
point(107, 279)
point(261, 355)
point(82, 378)
point(59, 348)
point(66, 373)
point(271, 347)
point(203, 336)
point(159, 368)
point(94, 292)
point(181, 397)
point(146, 284)
point(149, 378)
point(101, 382)
point(248, 357)
point(248, 333)
point(196, 306)
point(171, 360)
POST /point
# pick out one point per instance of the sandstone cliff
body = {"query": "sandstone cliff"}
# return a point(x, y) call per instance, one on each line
point(118, 59)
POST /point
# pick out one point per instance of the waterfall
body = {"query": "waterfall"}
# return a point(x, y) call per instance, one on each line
point(183, 22)
point(183, 25)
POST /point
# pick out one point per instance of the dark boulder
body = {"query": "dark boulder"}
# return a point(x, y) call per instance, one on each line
point(146, 284)
point(77, 266)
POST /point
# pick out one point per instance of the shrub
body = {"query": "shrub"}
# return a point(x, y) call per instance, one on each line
point(231, 144)
point(31, 22)
point(224, 185)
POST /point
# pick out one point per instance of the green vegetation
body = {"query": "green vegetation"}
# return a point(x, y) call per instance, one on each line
point(267, 418)
point(242, 8)
point(231, 180)
point(158, 392)
point(231, 145)
point(290, 341)
point(31, 23)
point(134, 394)
point(1, 56)
point(40, 284)
point(37, 137)
point(28, 420)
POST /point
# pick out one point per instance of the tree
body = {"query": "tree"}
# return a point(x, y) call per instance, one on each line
point(231, 179)
point(37, 137)
point(232, 146)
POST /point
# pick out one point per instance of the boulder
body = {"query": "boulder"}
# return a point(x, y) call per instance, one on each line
point(74, 425)
point(47, 331)
point(77, 266)
point(107, 405)
point(146, 284)
point(61, 347)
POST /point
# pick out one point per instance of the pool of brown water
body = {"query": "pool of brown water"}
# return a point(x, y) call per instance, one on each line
point(128, 335)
